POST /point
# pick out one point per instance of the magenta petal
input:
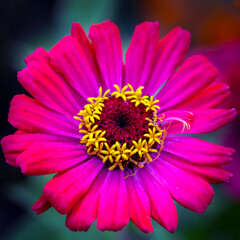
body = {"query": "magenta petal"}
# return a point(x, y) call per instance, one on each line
point(49, 88)
point(198, 151)
point(38, 55)
point(107, 43)
point(11, 158)
point(204, 121)
point(170, 53)
point(78, 32)
point(210, 97)
point(10, 153)
point(163, 209)
point(15, 144)
point(210, 120)
point(63, 191)
point(27, 114)
point(48, 157)
point(140, 54)
point(139, 205)
point(212, 174)
point(113, 203)
point(195, 74)
point(84, 213)
point(41, 205)
point(190, 191)
point(69, 59)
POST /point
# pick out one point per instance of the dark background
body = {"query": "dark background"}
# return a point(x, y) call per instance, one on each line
point(26, 25)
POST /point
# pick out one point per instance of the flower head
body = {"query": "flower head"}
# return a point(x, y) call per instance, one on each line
point(113, 140)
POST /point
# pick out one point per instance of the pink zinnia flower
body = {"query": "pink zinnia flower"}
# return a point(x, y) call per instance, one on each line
point(110, 136)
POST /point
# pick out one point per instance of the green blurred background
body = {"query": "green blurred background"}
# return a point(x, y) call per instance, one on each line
point(26, 25)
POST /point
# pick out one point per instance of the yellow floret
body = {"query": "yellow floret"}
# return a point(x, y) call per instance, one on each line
point(151, 105)
point(139, 147)
point(95, 139)
point(91, 114)
point(122, 152)
point(108, 153)
point(137, 96)
point(153, 136)
point(121, 93)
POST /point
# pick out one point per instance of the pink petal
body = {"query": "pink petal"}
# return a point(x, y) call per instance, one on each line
point(170, 53)
point(84, 213)
point(49, 88)
point(69, 59)
point(113, 203)
point(28, 115)
point(15, 144)
point(141, 52)
point(198, 151)
point(107, 43)
point(163, 209)
point(78, 32)
point(139, 205)
point(210, 97)
point(190, 191)
point(211, 174)
point(64, 191)
point(41, 205)
point(205, 121)
point(38, 55)
point(48, 157)
point(195, 74)
point(11, 158)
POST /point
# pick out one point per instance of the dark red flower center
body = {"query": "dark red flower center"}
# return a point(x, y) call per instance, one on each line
point(122, 121)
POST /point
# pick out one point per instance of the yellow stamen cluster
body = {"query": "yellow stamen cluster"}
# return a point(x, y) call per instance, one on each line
point(120, 155)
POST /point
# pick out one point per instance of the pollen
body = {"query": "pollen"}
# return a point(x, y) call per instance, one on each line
point(122, 128)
